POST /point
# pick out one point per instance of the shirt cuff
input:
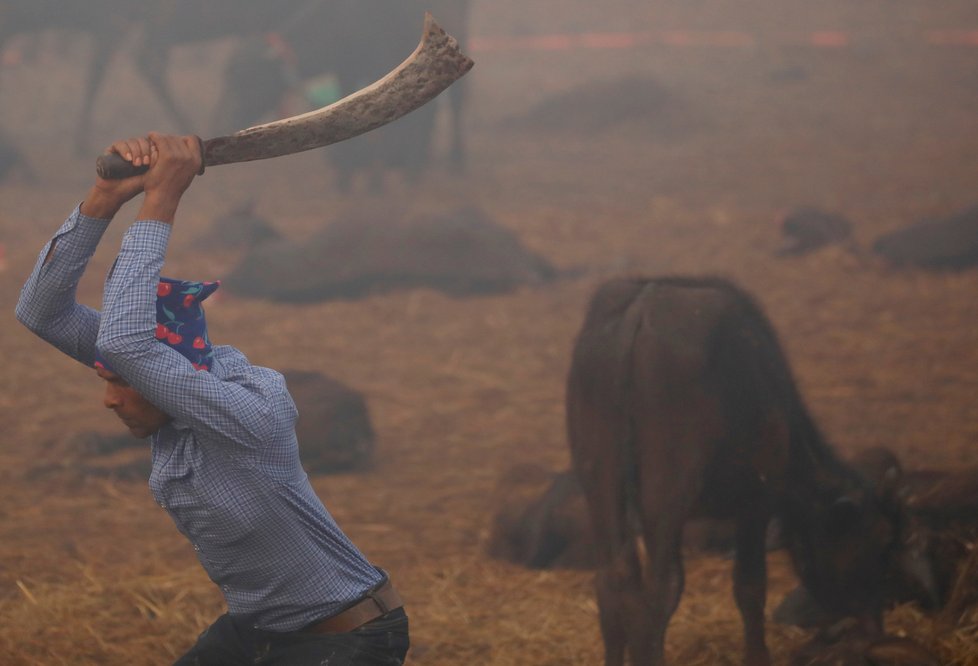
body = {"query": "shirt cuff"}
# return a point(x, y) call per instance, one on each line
point(85, 232)
point(148, 236)
point(81, 217)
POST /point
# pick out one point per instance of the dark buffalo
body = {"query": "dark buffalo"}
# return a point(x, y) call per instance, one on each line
point(334, 427)
point(940, 535)
point(948, 243)
point(358, 42)
point(12, 160)
point(377, 250)
point(808, 228)
point(334, 430)
point(681, 403)
point(240, 227)
point(543, 523)
point(103, 20)
point(161, 26)
point(858, 650)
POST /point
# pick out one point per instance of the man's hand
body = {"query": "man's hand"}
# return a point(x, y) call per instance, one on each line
point(107, 196)
point(174, 161)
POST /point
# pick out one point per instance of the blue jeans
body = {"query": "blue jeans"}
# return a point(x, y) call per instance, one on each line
point(231, 641)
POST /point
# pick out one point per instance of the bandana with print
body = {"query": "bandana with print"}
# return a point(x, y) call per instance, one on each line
point(180, 321)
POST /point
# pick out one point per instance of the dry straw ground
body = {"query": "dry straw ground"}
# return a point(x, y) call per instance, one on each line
point(883, 130)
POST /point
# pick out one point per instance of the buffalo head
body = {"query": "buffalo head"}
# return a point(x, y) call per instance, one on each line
point(846, 545)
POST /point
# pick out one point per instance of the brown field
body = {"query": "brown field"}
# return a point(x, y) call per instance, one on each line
point(883, 130)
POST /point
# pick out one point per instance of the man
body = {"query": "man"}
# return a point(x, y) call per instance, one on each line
point(225, 456)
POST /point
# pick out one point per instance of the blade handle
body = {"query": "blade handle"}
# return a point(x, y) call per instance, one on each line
point(113, 166)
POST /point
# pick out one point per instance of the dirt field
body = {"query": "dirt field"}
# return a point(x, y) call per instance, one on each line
point(881, 128)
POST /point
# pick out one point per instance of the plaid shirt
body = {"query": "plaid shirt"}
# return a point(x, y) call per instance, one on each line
point(226, 467)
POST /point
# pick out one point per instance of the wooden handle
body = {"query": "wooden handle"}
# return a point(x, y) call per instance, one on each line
point(113, 166)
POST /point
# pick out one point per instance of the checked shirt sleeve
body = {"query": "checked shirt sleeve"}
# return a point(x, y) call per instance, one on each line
point(220, 410)
point(48, 305)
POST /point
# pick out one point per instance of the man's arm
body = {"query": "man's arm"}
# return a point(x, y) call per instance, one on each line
point(242, 412)
point(47, 304)
point(129, 301)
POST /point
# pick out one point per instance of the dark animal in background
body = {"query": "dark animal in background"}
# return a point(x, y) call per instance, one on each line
point(334, 428)
point(97, 454)
point(598, 105)
point(103, 20)
point(357, 41)
point(858, 650)
point(543, 523)
point(161, 25)
point(13, 161)
point(681, 403)
point(913, 573)
point(940, 536)
point(374, 251)
point(949, 243)
point(944, 498)
point(808, 228)
point(239, 228)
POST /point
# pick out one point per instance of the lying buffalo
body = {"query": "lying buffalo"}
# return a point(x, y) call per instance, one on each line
point(13, 161)
point(858, 650)
point(947, 243)
point(681, 404)
point(333, 428)
point(240, 227)
point(599, 105)
point(542, 523)
point(808, 228)
point(459, 253)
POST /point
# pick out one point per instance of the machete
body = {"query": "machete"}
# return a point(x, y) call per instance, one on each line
point(436, 63)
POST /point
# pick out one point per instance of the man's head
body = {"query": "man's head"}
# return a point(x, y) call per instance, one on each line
point(142, 417)
point(180, 325)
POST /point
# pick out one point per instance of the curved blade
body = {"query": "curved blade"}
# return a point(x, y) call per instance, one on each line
point(435, 64)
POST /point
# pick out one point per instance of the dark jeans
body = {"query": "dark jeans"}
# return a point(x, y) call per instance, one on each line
point(232, 641)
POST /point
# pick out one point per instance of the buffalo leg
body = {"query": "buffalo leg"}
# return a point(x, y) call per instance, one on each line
point(636, 601)
point(662, 588)
point(152, 63)
point(592, 433)
point(750, 584)
point(456, 98)
point(102, 51)
point(669, 457)
point(611, 616)
point(618, 571)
